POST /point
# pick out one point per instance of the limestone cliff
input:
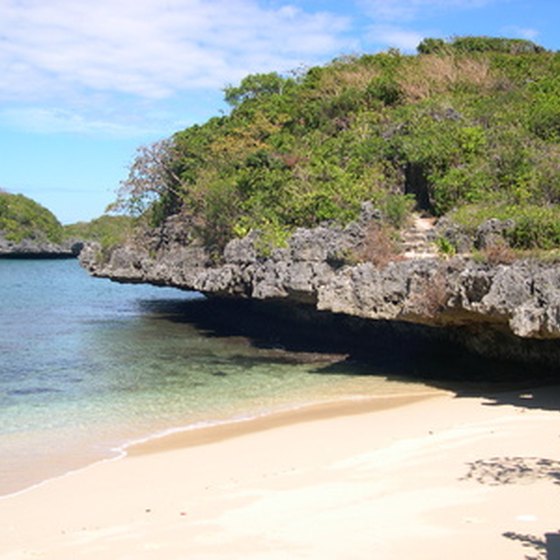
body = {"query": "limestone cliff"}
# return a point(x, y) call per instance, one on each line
point(502, 310)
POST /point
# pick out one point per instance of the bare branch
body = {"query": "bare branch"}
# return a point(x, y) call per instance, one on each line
point(151, 176)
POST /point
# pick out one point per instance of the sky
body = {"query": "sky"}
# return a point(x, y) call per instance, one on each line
point(84, 84)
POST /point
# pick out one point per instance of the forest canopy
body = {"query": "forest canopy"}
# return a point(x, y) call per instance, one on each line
point(23, 218)
point(467, 128)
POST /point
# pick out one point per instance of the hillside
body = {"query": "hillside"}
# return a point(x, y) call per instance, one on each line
point(468, 129)
point(28, 229)
point(394, 189)
point(106, 230)
point(22, 218)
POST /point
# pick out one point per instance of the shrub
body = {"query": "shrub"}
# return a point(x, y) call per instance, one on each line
point(544, 117)
point(379, 246)
point(397, 209)
point(434, 75)
point(432, 297)
point(106, 230)
point(446, 247)
point(385, 89)
point(536, 228)
point(459, 185)
point(479, 45)
point(469, 123)
point(498, 252)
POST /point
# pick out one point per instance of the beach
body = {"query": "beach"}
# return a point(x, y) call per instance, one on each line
point(409, 477)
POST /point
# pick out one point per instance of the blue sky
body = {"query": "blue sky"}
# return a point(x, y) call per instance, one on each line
point(85, 83)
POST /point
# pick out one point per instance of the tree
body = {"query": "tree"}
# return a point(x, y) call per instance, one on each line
point(151, 177)
point(254, 86)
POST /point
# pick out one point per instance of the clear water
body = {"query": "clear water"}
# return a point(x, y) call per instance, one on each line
point(87, 365)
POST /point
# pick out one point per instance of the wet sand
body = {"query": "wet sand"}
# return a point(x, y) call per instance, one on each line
point(418, 478)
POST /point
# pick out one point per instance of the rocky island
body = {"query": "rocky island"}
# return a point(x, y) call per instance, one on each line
point(29, 230)
point(507, 311)
point(389, 188)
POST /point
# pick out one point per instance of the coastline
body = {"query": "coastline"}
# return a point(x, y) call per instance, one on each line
point(442, 476)
point(195, 435)
point(198, 432)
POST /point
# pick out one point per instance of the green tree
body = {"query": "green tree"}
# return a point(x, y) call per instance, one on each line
point(255, 86)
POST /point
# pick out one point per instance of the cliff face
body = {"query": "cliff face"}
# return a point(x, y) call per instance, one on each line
point(501, 310)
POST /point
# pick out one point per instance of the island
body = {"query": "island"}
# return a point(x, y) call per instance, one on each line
point(417, 190)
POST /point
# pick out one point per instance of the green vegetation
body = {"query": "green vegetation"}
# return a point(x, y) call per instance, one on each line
point(445, 247)
point(532, 226)
point(467, 128)
point(479, 44)
point(22, 218)
point(106, 230)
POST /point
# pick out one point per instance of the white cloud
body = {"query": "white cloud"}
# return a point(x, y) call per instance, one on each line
point(523, 32)
point(151, 48)
point(52, 120)
point(397, 37)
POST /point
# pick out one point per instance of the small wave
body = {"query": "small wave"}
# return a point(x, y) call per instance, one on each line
point(249, 416)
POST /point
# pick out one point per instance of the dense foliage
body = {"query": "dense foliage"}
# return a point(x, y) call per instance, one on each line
point(106, 230)
point(471, 124)
point(23, 218)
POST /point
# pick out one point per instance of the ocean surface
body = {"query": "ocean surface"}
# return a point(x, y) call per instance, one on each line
point(88, 366)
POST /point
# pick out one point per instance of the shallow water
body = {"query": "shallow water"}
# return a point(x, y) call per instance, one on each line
point(87, 366)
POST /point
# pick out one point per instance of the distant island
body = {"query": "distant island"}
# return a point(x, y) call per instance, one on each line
point(29, 230)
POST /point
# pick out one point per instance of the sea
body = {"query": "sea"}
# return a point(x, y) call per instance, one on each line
point(88, 367)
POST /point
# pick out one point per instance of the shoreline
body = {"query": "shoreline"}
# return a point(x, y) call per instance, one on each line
point(442, 476)
point(195, 434)
point(216, 430)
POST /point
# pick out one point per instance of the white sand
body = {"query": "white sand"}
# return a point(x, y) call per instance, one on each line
point(390, 484)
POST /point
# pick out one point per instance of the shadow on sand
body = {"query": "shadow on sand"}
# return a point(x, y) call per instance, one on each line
point(348, 346)
point(539, 548)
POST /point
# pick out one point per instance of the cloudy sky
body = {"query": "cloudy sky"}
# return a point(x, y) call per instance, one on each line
point(84, 83)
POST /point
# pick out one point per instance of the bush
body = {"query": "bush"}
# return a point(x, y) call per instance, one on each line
point(446, 247)
point(106, 230)
point(499, 253)
point(432, 297)
point(474, 121)
point(379, 246)
point(459, 185)
point(544, 117)
point(397, 209)
point(534, 227)
point(479, 45)
point(385, 89)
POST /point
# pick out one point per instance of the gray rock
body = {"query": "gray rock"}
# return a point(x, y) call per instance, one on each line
point(491, 232)
point(453, 233)
point(242, 251)
point(522, 298)
point(39, 248)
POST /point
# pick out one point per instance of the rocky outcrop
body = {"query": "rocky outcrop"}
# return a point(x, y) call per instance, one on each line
point(318, 267)
point(39, 249)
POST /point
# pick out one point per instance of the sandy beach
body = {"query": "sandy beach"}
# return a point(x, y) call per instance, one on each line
point(420, 478)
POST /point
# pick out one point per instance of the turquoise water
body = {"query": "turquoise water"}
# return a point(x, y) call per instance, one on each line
point(87, 365)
